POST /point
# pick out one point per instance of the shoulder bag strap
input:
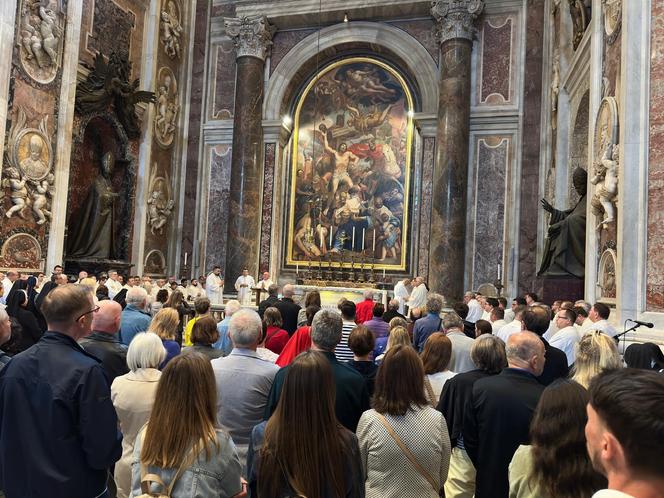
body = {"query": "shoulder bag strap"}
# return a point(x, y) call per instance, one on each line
point(183, 466)
point(409, 455)
point(430, 394)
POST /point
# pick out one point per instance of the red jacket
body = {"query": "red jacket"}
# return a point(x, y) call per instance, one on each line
point(300, 341)
point(364, 311)
point(275, 339)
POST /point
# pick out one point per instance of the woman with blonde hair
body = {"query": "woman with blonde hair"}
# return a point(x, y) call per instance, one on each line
point(132, 395)
point(182, 450)
point(595, 353)
point(165, 325)
point(398, 336)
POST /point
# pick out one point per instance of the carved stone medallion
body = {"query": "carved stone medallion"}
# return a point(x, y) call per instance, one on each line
point(23, 251)
point(607, 275)
point(612, 10)
point(606, 126)
point(165, 120)
point(171, 28)
point(40, 38)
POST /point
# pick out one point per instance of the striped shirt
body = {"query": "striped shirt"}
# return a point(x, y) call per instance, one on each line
point(342, 351)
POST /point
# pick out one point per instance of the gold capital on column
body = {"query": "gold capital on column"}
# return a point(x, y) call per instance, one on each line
point(251, 35)
point(456, 18)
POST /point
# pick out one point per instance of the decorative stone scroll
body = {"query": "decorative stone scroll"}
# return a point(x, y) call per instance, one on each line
point(605, 163)
point(40, 38)
point(252, 35)
point(168, 109)
point(28, 173)
point(171, 28)
point(456, 18)
point(612, 10)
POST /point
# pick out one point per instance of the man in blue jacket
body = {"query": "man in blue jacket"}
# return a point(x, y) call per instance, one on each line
point(58, 428)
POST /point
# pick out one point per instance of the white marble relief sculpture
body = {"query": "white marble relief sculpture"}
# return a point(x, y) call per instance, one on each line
point(605, 163)
point(165, 121)
point(40, 38)
point(171, 29)
point(160, 203)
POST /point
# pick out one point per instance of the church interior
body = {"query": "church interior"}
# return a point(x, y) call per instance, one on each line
point(499, 146)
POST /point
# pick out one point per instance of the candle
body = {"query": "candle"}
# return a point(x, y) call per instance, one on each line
point(297, 268)
point(363, 239)
point(185, 259)
point(353, 242)
point(383, 272)
point(374, 241)
point(331, 227)
point(500, 273)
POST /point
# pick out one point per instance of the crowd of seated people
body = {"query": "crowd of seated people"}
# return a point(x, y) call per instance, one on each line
point(105, 398)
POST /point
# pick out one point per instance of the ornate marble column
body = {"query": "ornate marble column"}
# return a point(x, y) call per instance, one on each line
point(252, 38)
point(455, 32)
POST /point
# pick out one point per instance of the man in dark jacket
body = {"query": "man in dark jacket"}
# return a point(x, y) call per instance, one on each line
point(352, 397)
point(58, 428)
point(271, 300)
point(288, 309)
point(498, 414)
point(392, 311)
point(537, 320)
point(104, 343)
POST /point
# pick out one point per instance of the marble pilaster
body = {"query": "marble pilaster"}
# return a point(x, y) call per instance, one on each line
point(7, 18)
point(450, 176)
point(251, 37)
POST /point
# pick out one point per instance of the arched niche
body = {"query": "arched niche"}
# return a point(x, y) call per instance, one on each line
point(393, 45)
point(578, 145)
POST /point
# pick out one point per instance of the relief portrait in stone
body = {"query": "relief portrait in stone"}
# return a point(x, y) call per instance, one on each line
point(91, 231)
point(40, 40)
point(34, 156)
point(350, 171)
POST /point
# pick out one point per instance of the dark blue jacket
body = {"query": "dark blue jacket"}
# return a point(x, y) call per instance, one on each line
point(58, 428)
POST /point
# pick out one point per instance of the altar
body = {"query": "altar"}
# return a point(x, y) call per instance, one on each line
point(330, 296)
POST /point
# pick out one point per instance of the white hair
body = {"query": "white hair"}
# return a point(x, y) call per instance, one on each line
point(245, 328)
point(136, 296)
point(288, 290)
point(368, 294)
point(232, 307)
point(145, 351)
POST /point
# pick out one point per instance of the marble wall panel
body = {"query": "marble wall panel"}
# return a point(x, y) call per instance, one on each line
point(224, 84)
point(491, 156)
point(283, 42)
point(654, 260)
point(496, 74)
point(268, 198)
point(530, 150)
point(423, 31)
point(113, 25)
point(428, 156)
point(218, 206)
point(197, 82)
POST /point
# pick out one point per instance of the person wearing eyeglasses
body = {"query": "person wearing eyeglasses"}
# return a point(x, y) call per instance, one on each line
point(58, 428)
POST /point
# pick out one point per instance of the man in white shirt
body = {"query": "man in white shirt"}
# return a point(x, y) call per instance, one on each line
point(497, 319)
point(625, 434)
point(214, 286)
point(418, 298)
point(7, 283)
point(461, 344)
point(194, 290)
point(243, 286)
point(583, 323)
point(159, 285)
point(264, 283)
point(474, 307)
point(599, 314)
point(402, 293)
point(567, 337)
point(514, 326)
point(114, 286)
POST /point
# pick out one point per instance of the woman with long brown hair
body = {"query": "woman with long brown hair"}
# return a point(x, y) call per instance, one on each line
point(404, 443)
point(177, 301)
point(303, 450)
point(182, 445)
point(311, 299)
point(556, 464)
point(436, 356)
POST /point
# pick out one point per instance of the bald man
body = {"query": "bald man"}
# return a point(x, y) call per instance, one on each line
point(500, 410)
point(104, 343)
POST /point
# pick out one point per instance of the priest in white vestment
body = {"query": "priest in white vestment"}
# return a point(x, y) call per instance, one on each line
point(402, 293)
point(243, 286)
point(418, 298)
point(264, 283)
point(214, 286)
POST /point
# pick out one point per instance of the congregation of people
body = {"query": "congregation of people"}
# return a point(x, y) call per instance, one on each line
point(124, 387)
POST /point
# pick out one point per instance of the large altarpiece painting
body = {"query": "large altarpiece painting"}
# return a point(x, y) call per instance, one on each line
point(351, 167)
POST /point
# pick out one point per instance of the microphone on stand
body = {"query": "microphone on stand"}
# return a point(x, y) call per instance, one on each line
point(643, 324)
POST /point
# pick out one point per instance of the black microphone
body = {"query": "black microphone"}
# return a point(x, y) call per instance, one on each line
point(643, 324)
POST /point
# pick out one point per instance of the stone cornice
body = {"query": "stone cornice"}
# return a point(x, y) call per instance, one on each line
point(252, 35)
point(456, 18)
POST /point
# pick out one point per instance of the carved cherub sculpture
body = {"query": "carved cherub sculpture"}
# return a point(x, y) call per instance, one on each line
point(40, 201)
point(19, 192)
point(606, 177)
point(158, 214)
point(171, 31)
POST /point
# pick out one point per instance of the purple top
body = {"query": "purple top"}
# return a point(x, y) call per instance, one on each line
point(172, 350)
point(378, 326)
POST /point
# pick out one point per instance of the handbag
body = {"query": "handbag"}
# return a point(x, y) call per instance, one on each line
point(409, 455)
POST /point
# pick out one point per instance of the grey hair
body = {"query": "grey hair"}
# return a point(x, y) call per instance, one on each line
point(523, 346)
point(368, 294)
point(326, 329)
point(232, 307)
point(452, 321)
point(393, 304)
point(136, 296)
point(245, 328)
point(434, 303)
point(288, 290)
point(470, 294)
point(488, 353)
point(583, 304)
point(145, 351)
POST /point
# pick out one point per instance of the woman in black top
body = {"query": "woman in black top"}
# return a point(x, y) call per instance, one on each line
point(17, 308)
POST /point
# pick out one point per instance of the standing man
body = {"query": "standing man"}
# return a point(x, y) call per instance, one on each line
point(8, 283)
point(498, 414)
point(264, 283)
point(402, 293)
point(567, 337)
point(114, 286)
point(135, 318)
point(58, 428)
point(214, 286)
point(625, 434)
point(474, 307)
point(418, 297)
point(288, 309)
point(243, 286)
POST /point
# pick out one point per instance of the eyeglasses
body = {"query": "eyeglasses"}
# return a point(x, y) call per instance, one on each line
point(93, 310)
